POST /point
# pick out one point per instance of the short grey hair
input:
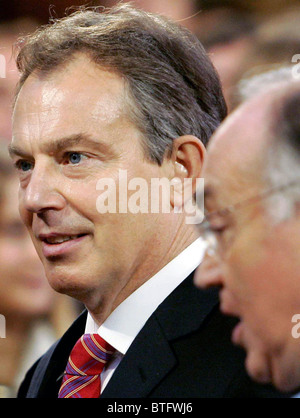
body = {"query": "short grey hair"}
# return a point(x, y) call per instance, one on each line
point(283, 155)
point(264, 78)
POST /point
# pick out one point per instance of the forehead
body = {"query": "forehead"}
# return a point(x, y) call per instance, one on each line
point(79, 97)
point(236, 153)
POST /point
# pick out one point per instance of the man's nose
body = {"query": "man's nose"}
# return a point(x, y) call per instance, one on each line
point(209, 272)
point(42, 192)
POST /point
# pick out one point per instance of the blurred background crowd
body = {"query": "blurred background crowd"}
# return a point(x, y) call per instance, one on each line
point(242, 37)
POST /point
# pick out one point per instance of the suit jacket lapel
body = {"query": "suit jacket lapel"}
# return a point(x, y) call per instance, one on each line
point(150, 357)
point(185, 309)
point(147, 361)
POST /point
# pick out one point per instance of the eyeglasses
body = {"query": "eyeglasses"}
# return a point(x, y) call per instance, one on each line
point(207, 232)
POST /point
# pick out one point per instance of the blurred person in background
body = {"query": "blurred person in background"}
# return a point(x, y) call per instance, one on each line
point(252, 228)
point(35, 315)
point(9, 76)
point(181, 11)
point(275, 45)
point(260, 8)
point(243, 39)
point(227, 35)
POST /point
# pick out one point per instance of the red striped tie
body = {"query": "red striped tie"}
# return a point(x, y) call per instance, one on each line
point(86, 362)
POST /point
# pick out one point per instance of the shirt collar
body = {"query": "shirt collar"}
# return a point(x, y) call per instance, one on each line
point(125, 322)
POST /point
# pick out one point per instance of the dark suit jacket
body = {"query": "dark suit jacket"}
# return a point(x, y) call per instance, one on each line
point(183, 351)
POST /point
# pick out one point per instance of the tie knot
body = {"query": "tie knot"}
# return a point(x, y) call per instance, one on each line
point(89, 355)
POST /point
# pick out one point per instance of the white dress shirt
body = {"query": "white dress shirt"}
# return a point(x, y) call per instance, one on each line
point(126, 321)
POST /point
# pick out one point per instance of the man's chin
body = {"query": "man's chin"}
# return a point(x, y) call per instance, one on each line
point(67, 284)
point(257, 362)
point(285, 378)
point(286, 372)
point(258, 367)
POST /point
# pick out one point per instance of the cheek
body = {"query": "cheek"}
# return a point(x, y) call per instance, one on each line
point(84, 197)
point(244, 270)
point(252, 271)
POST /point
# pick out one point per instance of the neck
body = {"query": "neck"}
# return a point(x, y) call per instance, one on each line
point(164, 251)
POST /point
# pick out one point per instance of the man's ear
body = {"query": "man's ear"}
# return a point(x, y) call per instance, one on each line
point(187, 159)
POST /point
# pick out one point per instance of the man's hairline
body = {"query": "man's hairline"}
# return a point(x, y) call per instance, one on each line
point(131, 108)
point(278, 148)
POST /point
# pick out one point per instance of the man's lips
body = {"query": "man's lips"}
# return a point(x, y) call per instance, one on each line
point(55, 244)
point(58, 238)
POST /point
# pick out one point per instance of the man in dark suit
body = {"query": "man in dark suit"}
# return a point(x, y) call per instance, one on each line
point(110, 105)
point(254, 256)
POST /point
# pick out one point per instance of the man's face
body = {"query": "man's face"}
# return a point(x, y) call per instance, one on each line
point(71, 130)
point(256, 265)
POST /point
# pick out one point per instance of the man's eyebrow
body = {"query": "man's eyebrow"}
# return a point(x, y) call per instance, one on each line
point(61, 144)
point(74, 140)
point(14, 150)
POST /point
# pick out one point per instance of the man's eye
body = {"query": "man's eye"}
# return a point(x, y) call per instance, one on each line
point(24, 165)
point(74, 157)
